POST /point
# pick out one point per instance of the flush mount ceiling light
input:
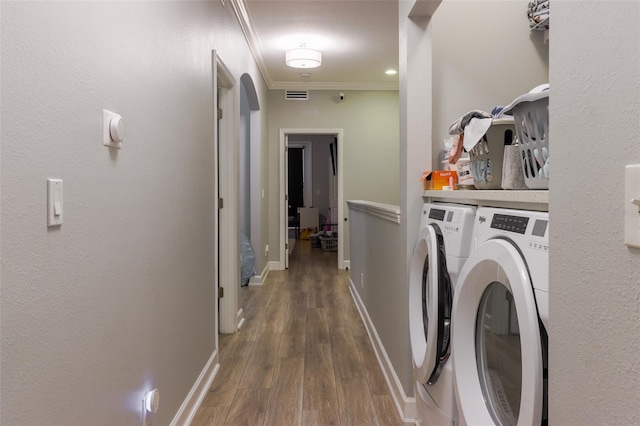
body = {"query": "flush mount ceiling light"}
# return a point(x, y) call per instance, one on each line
point(303, 57)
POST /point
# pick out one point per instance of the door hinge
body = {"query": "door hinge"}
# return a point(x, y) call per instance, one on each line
point(220, 203)
point(286, 197)
point(286, 246)
point(220, 292)
point(220, 114)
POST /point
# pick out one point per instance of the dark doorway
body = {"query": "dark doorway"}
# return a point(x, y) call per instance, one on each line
point(296, 180)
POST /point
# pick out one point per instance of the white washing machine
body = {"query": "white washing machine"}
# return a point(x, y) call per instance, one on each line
point(500, 318)
point(444, 243)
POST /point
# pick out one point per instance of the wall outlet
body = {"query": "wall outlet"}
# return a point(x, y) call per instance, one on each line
point(361, 279)
point(266, 250)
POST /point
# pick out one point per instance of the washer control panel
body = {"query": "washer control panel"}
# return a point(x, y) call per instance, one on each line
point(505, 222)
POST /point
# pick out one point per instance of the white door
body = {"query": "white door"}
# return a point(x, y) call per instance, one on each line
point(497, 347)
point(286, 200)
point(430, 302)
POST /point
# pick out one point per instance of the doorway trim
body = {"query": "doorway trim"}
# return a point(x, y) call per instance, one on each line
point(338, 133)
point(227, 163)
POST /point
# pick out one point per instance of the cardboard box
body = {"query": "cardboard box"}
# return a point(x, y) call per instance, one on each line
point(436, 179)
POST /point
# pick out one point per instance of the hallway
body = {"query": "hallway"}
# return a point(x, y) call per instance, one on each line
point(302, 357)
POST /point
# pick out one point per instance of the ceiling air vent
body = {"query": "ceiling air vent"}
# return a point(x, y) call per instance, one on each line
point(296, 95)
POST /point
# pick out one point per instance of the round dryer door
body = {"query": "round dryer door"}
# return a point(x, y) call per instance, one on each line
point(497, 356)
point(430, 303)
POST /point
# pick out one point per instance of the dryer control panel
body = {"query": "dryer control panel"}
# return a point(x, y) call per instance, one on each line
point(456, 224)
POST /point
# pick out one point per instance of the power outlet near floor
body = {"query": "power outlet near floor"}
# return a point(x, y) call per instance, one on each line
point(266, 250)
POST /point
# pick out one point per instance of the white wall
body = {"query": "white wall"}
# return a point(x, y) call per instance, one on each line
point(594, 373)
point(483, 55)
point(120, 299)
point(321, 173)
point(370, 123)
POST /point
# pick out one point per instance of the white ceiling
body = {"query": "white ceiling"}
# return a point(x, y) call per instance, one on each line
point(358, 40)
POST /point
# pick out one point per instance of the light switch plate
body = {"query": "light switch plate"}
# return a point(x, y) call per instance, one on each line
point(631, 210)
point(54, 202)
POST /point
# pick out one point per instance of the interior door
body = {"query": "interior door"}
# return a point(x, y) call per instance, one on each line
point(430, 302)
point(498, 357)
point(286, 200)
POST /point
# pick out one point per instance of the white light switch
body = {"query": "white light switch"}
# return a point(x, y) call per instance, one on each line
point(113, 129)
point(54, 202)
point(632, 205)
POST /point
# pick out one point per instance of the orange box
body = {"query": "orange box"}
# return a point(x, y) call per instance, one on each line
point(436, 179)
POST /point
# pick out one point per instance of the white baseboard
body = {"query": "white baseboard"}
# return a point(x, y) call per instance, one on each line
point(276, 266)
point(196, 395)
point(405, 405)
point(240, 318)
point(257, 280)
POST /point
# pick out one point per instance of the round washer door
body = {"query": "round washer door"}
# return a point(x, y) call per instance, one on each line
point(497, 353)
point(430, 302)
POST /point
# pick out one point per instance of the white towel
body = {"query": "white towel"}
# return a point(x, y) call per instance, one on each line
point(474, 131)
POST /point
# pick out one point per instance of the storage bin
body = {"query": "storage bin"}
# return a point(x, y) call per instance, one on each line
point(306, 232)
point(314, 240)
point(531, 115)
point(329, 243)
point(488, 154)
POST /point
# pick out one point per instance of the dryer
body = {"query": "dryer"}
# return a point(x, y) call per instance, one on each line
point(444, 243)
point(500, 318)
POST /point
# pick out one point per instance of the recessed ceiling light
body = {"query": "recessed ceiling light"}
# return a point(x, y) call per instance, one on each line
point(391, 72)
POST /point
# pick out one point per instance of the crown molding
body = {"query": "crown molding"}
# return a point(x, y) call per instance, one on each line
point(348, 85)
point(248, 29)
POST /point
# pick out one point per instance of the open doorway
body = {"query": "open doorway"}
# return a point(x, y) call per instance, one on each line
point(226, 154)
point(249, 192)
point(323, 195)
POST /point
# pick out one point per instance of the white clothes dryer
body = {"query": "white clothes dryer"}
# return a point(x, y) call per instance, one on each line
point(444, 243)
point(500, 318)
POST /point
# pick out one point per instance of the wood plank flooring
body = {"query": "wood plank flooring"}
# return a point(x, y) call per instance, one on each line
point(303, 356)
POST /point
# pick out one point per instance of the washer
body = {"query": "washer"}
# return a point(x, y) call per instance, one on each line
point(444, 243)
point(500, 318)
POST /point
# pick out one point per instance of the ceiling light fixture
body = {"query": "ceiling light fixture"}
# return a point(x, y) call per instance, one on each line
point(303, 57)
point(391, 72)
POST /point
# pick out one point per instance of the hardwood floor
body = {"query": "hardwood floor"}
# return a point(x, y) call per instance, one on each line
point(303, 356)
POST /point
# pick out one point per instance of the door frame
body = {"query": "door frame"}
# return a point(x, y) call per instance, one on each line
point(339, 134)
point(227, 165)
